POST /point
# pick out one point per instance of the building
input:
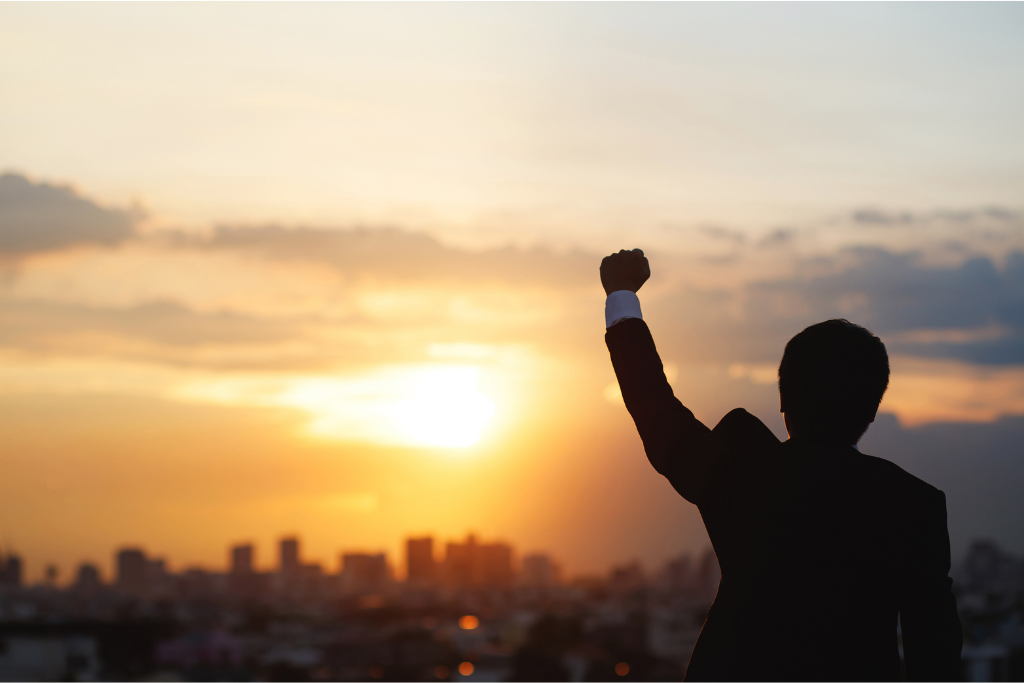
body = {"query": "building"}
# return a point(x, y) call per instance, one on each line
point(540, 571)
point(242, 560)
point(420, 568)
point(364, 574)
point(133, 570)
point(243, 581)
point(460, 562)
point(289, 556)
point(10, 571)
point(496, 565)
point(88, 579)
point(473, 564)
point(159, 581)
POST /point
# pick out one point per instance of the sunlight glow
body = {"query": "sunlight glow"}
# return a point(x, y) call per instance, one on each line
point(430, 407)
point(424, 406)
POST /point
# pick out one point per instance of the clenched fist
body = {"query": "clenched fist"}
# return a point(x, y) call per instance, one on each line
point(625, 270)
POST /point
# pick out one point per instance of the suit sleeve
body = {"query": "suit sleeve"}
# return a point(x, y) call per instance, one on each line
point(932, 635)
point(678, 445)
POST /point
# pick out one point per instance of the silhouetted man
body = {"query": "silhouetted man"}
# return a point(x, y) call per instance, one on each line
point(821, 547)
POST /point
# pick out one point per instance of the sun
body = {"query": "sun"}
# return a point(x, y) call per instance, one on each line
point(427, 406)
point(421, 406)
point(443, 408)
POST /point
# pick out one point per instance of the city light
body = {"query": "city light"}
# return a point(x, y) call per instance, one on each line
point(621, 669)
point(468, 622)
point(466, 668)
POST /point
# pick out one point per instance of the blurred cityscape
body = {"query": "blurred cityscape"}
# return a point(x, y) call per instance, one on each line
point(467, 611)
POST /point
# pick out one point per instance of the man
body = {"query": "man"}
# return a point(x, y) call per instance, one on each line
point(822, 548)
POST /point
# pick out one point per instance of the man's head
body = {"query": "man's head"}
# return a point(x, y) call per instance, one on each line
point(831, 380)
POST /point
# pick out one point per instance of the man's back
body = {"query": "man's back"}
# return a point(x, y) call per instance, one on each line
point(821, 547)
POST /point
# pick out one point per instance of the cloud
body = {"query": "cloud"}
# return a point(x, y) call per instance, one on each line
point(37, 326)
point(39, 217)
point(973, 311)
point(777, 238)
point(716, 232)
point(878, 217)
point(398, 255)
point(893, 293)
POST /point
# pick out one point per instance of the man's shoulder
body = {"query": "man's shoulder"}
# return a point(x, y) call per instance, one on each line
point(741, 428)
point(888, 473)
point(739, 418)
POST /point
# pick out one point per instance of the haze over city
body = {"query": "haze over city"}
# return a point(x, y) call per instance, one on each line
point(331, 270)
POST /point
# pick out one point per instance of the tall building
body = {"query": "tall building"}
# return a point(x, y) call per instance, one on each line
point(289, 560)
point(243, 581)
point(496, 565)
point(88, 580)
point(10, 571)
point(540, 571)
point(364, 574)
point(419, 557)
point(474, 564)
point(133, 570)
point(461, 563)
point(242, 559)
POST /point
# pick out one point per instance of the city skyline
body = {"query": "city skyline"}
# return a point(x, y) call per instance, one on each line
point(447, 563)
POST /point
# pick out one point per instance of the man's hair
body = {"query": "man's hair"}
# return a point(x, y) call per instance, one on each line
point(832, 378)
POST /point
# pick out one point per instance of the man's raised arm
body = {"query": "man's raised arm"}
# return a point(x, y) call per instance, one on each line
point(677, 444)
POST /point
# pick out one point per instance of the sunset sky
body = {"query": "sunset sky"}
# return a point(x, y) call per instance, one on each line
point(331, 269)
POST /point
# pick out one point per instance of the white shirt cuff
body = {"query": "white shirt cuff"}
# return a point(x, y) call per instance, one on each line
point(620, 305)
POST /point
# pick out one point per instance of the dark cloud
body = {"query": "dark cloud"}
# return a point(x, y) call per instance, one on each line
point(878, 217)
point(980, 305)
point(875, 217)
point(777, 238)
point(724, 234)
point(393, 254)
point(38, 217)
point(894, 293)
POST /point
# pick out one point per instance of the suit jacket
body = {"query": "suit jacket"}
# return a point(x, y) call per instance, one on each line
point(821, 546)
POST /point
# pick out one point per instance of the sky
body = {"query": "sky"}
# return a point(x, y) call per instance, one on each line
point(331, 269)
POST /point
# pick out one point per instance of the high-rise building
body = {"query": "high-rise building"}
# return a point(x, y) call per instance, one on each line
point(364, 574)
point(242, 559)
point(133, 570)
point(243, 581)
point(474, 564)
point(419, 556)
point(88, 580)
point(540, 571)
point(461, 564)
point(10, 571)
point(496, 565)
point(289, 561)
